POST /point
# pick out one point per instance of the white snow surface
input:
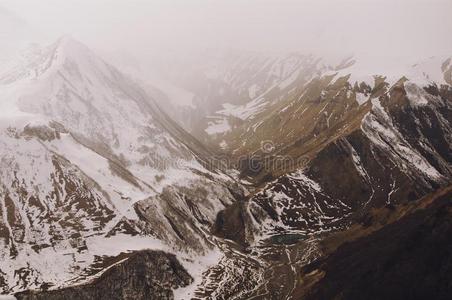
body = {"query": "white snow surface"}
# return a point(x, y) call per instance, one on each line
point(69, 84)
point(196, 267)
point(218, 125)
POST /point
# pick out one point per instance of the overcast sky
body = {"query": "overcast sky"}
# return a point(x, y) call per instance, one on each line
point(414, 28)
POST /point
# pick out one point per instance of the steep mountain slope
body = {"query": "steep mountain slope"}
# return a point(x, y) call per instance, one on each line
point(335, 97)
point(380, 159)
point(409, 258)
point(125, 280)
point(90, 168)
point(345, 156)
point(346, 159)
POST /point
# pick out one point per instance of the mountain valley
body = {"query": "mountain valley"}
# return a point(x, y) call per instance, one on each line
point(286, 177)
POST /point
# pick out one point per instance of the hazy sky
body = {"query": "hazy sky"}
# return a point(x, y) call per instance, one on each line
point(415, 28)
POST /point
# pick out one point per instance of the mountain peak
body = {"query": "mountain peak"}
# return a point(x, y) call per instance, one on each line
point(66, 54)
point(68, 45)
point(49, 81)
point(68, 48)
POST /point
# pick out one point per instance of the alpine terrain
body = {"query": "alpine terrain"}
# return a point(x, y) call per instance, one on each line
point(279, 176)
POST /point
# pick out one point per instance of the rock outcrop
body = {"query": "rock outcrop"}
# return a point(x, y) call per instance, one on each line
point(142, 275)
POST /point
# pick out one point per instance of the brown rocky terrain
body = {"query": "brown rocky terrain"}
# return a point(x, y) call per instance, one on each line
point(409, 258)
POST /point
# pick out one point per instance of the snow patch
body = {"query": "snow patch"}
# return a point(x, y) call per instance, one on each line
point(300, 176)
point(218, 126)
point(196, 267)
point(361, 98)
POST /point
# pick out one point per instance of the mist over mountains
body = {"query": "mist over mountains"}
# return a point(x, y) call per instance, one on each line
point(159, 152)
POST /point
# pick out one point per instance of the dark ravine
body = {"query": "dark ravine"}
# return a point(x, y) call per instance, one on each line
point(138, 276)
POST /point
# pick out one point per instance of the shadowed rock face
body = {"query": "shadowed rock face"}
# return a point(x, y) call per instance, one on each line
point(408, 259)
point(230, 224)
point(141, 275)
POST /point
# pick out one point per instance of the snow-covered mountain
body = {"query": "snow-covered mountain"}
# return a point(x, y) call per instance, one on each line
point(94, 167)
point(91, 167)
point(382, 134)
point(322, 160)
point(213, 93)
point(247, 116)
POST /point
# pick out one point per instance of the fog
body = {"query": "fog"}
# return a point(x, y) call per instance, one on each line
point(383, 28)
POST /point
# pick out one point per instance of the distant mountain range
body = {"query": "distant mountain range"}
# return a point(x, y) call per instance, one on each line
point(246, 176)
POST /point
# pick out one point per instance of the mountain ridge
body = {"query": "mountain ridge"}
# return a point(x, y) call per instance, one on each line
point(89, 158)
point(92, 167)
